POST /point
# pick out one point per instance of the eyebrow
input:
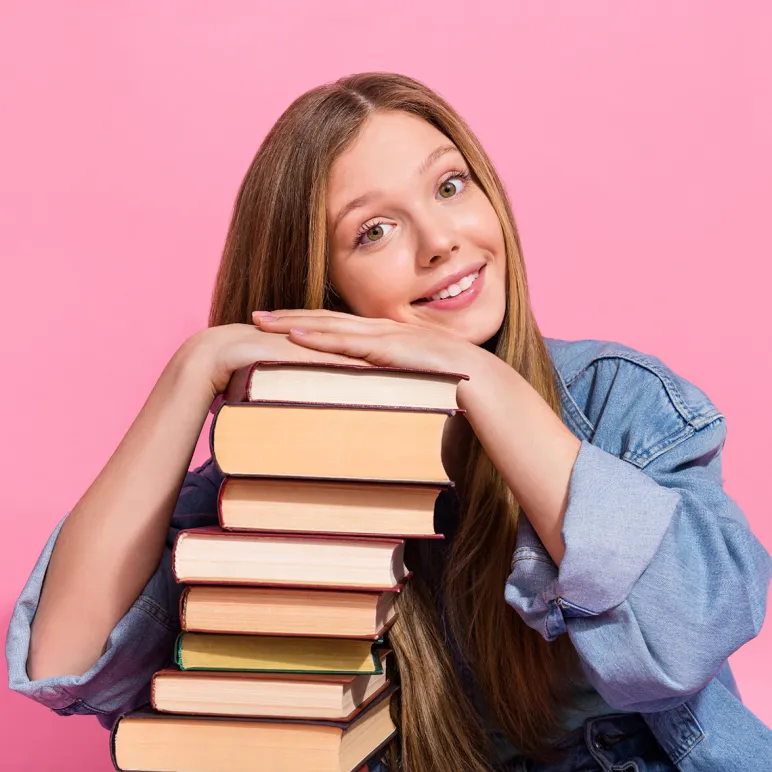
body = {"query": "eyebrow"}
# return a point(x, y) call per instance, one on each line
point(422, 169)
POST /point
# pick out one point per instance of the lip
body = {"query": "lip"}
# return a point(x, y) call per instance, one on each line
point(463, 299)
point(452, 279)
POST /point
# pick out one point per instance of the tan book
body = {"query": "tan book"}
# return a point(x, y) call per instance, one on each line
point(343, 383)
point(285, 611)
point(321, 442)
point(211, 555)
point(277, 654)
point(290, 695)
point(149, 741)
point(326, 506)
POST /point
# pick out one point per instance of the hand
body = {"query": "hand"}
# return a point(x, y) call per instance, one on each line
point(219, 351)
point(378, 341)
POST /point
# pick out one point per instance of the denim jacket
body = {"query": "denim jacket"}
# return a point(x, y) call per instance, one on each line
point(662, 578)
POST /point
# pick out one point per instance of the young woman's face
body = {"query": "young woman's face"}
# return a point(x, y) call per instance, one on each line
point(418, 233)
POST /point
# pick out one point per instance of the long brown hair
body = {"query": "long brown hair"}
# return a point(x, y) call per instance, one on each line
point(275, 256)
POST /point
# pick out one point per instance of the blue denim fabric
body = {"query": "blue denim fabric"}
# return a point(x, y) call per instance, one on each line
point(661, 581)
point(620, 743)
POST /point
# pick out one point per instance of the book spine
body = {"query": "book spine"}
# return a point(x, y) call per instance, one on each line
point(220, 494)
point(178, 651)
point(211, 437)
point(180, 536)
point(238, 386)
point(152, 691)
point(113, 733)
point(377, 664)
point(184, 608)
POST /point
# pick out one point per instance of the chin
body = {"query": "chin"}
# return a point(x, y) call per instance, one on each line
point(484, 332)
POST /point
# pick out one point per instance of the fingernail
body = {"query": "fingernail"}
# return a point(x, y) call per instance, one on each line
point(262, 313)
point(267, 318)
point(297, 331)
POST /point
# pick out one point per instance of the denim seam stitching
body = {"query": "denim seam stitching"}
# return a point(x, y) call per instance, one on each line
point(691, 416)
point(577, 606)
point(687, 745)
point(580, 420)
point(531, 557)
point(641, 458)
point(155, 611)
point(675, 439)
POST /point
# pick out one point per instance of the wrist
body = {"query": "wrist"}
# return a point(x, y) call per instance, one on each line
point(480, 365)
point(190, 369)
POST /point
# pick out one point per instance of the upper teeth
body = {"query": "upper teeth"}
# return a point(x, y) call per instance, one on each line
point(454, 289)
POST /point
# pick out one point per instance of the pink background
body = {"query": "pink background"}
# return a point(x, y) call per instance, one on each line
point(634, 143)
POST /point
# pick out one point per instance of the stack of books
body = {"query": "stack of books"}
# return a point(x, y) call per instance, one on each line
point(283, 657)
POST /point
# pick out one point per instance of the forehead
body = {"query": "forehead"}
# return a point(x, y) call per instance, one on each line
point(385, 154)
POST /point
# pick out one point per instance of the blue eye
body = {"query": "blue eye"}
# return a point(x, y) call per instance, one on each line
point(375, 228)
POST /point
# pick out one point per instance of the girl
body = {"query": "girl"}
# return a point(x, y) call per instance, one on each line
point(595, 576)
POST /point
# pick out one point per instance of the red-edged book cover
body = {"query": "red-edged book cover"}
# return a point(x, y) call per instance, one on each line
point(343, 680)
point(238, 387)
point(147, 712)
point(372, 636)
point(279, 538)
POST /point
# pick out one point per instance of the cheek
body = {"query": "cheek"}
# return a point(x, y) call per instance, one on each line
point(486, 228)
point(368, 293)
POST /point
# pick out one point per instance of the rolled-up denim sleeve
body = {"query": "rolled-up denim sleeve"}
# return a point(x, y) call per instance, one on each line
point(662, 578)
point(140, 643)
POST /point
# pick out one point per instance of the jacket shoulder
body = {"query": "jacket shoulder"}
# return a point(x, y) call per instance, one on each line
point(627, 401)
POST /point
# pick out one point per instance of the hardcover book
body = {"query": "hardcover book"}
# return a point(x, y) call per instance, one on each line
point(278, 695)
point(286, 611)
point(262, 439)
point(277, 654)
point(343, 383)
point(146, 740)
point(210, 555)
point(327, 506)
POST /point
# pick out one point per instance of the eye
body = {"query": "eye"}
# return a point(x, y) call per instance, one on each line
point(371, 232)
point(452, 189)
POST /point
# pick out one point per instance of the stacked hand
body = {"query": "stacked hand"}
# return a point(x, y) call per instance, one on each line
point(378, 341)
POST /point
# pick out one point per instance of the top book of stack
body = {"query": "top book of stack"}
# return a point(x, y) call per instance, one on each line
point(336, 421)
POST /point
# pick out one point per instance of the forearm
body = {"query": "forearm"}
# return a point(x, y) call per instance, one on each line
point(527, 442)
point(113, 538)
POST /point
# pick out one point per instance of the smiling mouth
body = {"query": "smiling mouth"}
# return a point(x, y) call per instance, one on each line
point(452, 290)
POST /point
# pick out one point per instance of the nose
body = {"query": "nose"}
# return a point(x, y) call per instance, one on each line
point(437, 240)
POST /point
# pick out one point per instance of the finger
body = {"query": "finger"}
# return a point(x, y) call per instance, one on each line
point(351, 324)
point(321, 312)
point(309, 312)
point(358, 346)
